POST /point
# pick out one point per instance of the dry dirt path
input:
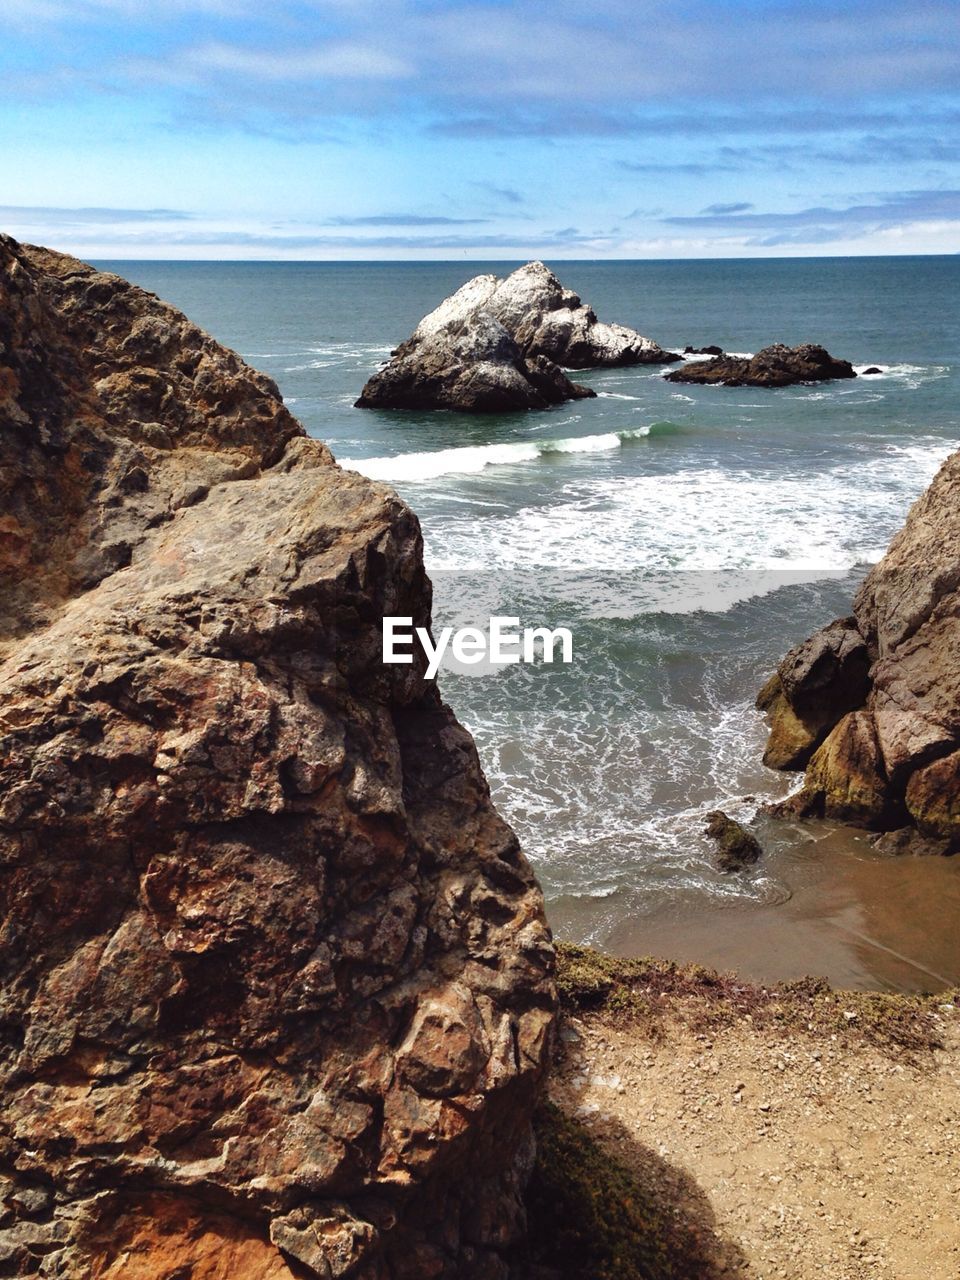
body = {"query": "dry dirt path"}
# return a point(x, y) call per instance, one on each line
point(798, 1135)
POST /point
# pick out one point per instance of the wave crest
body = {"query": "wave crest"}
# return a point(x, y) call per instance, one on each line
point(471, 459)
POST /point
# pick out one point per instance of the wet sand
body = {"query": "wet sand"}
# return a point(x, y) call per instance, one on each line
point(861, 919)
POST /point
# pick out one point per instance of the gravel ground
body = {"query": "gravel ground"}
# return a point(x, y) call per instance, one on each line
point(798, 1154)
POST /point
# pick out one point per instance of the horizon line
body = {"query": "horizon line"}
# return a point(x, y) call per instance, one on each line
point(326, 262)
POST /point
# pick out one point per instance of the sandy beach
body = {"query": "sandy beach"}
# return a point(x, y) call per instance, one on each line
point(862, 919)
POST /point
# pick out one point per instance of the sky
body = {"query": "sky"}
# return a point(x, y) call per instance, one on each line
point(330, 129)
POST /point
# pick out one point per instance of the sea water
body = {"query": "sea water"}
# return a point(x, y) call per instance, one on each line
point(688, 536)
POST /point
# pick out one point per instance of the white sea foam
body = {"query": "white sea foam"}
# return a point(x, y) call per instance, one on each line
point(470, 459)
point(912, 376)
point(336, 354)
point(735, 355)
point(711, 519)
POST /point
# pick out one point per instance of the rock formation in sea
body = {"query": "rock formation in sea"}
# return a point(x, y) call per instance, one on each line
point(275, 982)
point(870, 705)
point(775, 366)
point(500, 345)
point(737, 848)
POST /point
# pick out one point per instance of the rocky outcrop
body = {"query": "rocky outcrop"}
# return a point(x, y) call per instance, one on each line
point(871, 705)
point(776, 366)
point(814, 686)
point(275, 982)
point(471, 364)
point(736, 847)
point(703, 351)
point(499, 345)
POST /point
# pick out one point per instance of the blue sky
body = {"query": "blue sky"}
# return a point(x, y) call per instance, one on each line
point(431, 129)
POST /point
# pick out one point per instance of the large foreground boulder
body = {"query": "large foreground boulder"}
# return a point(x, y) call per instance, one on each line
point(776, 366)
point(275, 982)
point(497, 345)
point(877, 696)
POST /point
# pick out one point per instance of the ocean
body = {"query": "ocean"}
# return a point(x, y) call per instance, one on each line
point(688, 537)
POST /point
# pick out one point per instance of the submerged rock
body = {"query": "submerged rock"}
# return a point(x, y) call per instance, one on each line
point(907, 842)
point(703, 351)
point(736, 847)
point(275, 979)
point(866, 373)
point(776, 366)
point(892, 756)
point(497, 345)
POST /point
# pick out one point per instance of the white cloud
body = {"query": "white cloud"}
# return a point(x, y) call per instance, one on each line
point(344, 60)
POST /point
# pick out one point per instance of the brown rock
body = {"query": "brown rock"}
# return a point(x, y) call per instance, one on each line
point(907, 842)
point(933, 799)
point(816, 684)
point(163, 1236)
point(736, 847)
point(845, 779)
point(907, 742)
point(275, 982)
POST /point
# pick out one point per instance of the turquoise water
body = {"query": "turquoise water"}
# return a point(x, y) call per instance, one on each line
point(687, 536)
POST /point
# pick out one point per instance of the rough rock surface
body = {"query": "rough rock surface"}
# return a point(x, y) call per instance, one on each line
point(816, 683)
point(496, 345)
point(877, 696)
point(736, 847)
point(776, 366)
point(471, 364)
point(275, 982)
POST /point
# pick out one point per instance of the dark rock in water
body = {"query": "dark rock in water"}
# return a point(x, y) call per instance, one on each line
point(275, 979)
point(736, 847)
point(471, 364)
point(499, 345)
point(776, 366)
point(893, 757)
point(867, 372)
point(703, 351)
point(816, 684)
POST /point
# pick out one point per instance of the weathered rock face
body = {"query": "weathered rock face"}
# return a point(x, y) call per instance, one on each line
point(497, 345)
point(877, 696)
point(776, 366)
point(814, 686)
point(548, 320)
point(737, 848)
point(276, 983)
point(471, 364)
